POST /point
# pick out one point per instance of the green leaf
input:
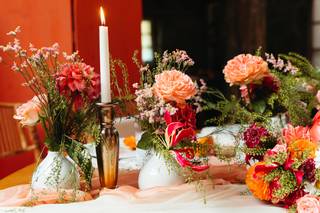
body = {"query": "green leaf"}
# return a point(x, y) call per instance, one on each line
point(146, 141)
point(81, 156)
point(259, 106)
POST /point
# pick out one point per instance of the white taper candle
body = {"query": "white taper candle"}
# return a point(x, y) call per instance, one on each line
point(104, 61)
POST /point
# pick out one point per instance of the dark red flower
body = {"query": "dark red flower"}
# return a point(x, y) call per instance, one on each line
point(309, 169)
point(293, 197)
point(272, 83)
point(254, 134)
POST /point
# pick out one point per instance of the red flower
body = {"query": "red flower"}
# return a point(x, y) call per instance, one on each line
point(77, 81)
point(309, 169)
point(272, 83)
point(175, 133)
point(185, 115)
point(293, 197)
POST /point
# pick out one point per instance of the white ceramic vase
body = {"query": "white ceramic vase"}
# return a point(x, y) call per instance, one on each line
point(55, 172)
point(156, 173)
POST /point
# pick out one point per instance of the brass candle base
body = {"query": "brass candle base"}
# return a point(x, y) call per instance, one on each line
point(108, 148)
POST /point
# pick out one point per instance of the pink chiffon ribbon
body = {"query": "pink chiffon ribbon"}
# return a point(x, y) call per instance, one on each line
point(22, 195)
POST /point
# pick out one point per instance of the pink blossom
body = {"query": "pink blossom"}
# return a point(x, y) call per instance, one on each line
point(28, 113)
point(245, 94)
point(308, 204)
point(135, 85)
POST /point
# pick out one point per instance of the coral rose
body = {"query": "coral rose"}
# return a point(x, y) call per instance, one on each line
point(308, 204)
point(173, 85)
point(315, 129)
point(28, 113)
point(291, 133)
point(244, 69)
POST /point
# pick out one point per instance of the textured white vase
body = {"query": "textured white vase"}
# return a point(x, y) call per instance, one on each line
point(156, 173)
point(55, 172)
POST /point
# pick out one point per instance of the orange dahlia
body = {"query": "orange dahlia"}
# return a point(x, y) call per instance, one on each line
point(299, 147)
point(256, 183)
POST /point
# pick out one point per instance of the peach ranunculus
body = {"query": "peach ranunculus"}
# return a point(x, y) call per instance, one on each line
point(308, 204)
point(315, 129)
point(173, 85)
point(28, 113)
point(244, 69)
point(291, 133)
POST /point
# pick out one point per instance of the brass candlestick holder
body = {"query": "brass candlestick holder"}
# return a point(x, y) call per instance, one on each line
point(108, 148)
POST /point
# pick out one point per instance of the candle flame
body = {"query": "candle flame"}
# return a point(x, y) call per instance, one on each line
point(102, 17)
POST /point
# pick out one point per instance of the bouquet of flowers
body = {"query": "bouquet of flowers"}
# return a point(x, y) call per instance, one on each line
point(269, 86)
point(64, 103)
point(167, 102)
point(286, 171)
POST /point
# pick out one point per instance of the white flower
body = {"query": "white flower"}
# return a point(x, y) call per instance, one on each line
point(311, 188)
point(317, 158)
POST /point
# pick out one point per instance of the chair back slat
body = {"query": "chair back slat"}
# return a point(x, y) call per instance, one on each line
point(12, 135)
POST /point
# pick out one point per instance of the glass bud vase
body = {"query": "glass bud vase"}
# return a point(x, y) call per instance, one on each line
point(55, 172)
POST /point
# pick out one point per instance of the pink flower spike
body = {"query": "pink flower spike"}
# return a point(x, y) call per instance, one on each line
point(181, 160)
point(184, 133)
point(200, 168)
point(167, 117)
point(316, 118)
point(172, 127)
point(299, 176)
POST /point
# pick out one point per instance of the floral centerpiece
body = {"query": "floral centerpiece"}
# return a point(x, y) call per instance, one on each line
point(65, 90)
point(269, 86)
point(167, 102)
point(285, 167)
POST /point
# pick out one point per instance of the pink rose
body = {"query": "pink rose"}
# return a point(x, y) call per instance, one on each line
point(173, 85)
point(308, 204)
point(245, 69)
point(28, 113)
point(279, 148)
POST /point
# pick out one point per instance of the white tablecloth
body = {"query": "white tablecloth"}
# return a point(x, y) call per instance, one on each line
point(223, 198)
point(233, 198)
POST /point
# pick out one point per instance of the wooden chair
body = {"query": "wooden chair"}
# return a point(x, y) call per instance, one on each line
point(14, 138)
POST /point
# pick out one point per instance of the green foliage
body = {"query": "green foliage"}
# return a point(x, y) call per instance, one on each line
point(303, 64)
point(231, 111)
point(287, 180)
point(144, 142)
point(292, 98)
point(81, 156)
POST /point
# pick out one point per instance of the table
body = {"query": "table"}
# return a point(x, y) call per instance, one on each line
point(127, 198)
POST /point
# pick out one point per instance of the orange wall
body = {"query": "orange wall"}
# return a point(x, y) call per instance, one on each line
point(43, 23)
point(123, 20)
